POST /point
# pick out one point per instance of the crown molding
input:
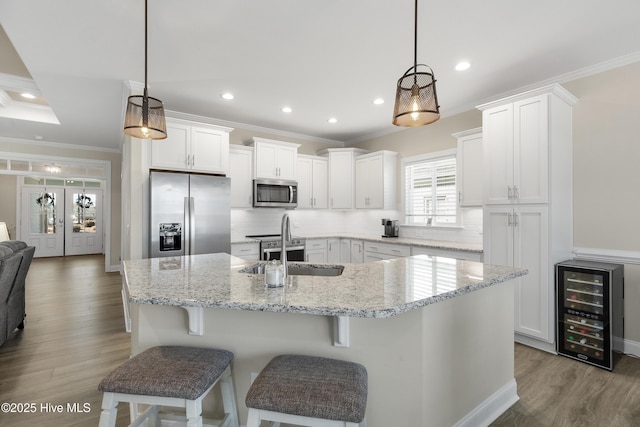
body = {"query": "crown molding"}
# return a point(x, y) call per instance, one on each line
point(63, 145)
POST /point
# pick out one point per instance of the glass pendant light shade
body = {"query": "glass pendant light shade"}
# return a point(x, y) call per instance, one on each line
point(149, 124)
point(416, 99)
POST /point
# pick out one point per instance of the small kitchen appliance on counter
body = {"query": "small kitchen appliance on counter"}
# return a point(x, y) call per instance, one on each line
point(390, 227)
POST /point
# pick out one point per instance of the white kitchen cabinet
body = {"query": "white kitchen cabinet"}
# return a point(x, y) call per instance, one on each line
point(357, 251)
point(313, 180)
point(341, 175)
point(519, 237)
point(240, 172)
point(248, 251)
point(528, 219)
point(315, 250)
point(194, 147)
point(469, 167)
point(345, 250)
point(274, 159)
point(333, 250)
point(379, 251)
point(463, 255)
point(375, 180)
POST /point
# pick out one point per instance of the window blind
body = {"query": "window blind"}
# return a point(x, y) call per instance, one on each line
point(431, 192)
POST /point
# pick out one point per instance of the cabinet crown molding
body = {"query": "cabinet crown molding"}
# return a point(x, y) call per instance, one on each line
point(469, 132)
point(554, 89)
point(355, 151)
point(252, 141)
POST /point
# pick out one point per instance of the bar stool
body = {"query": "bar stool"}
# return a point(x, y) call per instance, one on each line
point(173, 376)
point(309, 391)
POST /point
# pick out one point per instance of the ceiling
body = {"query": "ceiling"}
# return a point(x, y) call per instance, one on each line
point(323, 58)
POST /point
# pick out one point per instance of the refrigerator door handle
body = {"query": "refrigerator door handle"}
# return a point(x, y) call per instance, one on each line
point(187, 227)
point(192, 225)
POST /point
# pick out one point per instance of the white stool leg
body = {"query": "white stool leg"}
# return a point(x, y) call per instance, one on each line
point(194, 412)
point(229, 398)
point(253, 419)
point(109, 411)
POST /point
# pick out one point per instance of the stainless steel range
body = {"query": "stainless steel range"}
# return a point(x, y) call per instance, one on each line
point(271, 247)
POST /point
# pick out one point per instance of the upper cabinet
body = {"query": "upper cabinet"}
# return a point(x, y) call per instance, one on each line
point(313, 179)
point(274, 159)
point(517, 136)
point(469, 159)
point(191, 146)
point(341, 175)
point(376, 178)
point(240, 172)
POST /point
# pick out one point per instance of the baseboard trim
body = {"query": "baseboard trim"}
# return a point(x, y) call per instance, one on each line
point(489, 410)
point(632, 348)
point(535, 343)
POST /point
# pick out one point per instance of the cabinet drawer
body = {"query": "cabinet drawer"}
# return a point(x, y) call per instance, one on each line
point(464, 255)
point(314, 245)
point(246, 250)
point(387, 249)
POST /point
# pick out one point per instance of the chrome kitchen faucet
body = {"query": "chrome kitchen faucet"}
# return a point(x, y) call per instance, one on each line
point(285, 232)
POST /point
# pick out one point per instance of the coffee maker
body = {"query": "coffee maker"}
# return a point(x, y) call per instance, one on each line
point(390, 227)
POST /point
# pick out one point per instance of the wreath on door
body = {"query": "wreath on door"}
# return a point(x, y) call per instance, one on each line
point(46, 199)
point(84, 202)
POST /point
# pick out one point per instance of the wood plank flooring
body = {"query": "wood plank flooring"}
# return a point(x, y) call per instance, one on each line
point(74, 336)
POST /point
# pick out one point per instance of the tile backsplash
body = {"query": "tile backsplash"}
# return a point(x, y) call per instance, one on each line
point(308, 221)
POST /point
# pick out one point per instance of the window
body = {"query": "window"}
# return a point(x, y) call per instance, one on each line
point(430, 192)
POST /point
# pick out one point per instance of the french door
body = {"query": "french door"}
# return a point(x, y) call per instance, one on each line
point(62, 221)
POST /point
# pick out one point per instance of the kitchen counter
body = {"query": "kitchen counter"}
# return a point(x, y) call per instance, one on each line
point(378, 290)
point(404, 241)
point(435, 334)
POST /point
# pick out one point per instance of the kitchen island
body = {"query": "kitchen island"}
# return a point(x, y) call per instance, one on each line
point(436, 334)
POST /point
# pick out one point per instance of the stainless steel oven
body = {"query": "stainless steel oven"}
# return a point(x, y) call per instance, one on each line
point(271, 247)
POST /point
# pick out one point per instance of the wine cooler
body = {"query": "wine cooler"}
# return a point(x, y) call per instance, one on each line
point(590, 322)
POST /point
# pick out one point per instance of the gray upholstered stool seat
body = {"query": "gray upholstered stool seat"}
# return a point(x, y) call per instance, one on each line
point(310, 389)
point(172, 376)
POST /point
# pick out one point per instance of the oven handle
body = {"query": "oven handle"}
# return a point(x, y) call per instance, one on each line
point(289, 248)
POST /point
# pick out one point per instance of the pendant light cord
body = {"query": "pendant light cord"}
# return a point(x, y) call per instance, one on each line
point(145, 48)
point(415, 38)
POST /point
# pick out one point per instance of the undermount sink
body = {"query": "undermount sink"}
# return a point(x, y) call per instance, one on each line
point(295, 269)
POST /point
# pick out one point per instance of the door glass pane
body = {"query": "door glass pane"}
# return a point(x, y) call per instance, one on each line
point(43, 212)
point(33, 181)
point(84, 213)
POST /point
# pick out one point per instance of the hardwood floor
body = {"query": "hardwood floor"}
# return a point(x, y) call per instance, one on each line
point(74, 336)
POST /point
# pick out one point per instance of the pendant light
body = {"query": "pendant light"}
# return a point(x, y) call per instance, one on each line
point(145, 115)
point(416, 99)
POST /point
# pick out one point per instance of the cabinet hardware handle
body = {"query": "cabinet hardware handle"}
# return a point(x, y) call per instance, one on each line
point(509, 220)
point(515, 220)
point(460, 198)
point(509, 193)
point(516, 192)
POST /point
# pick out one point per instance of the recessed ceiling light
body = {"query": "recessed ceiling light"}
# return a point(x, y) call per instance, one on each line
point(286, 109)
point(378, 101)
point(227, 95)
point(28, 95)
point(463, 65)
point(333, 120)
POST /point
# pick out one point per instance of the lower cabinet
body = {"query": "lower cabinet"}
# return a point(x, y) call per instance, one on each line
point(357, 251)
point(379, 251)
point(333, 250)
point(248, 251)
point(315, 250)
point(518, 236)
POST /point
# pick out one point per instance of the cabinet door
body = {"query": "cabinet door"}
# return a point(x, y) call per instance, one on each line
point(240, 172)
point(320, 184)
point(498, 235)
point(172, 152)
point(531, 142)
point(376, 183)
point(287, 162)
point(305, 183)
point(345, 250)
point(470, 170)
point(533, 292)
point(357, 251)
point(266, 160)
point(209, 150)
point(362, 183)
point(497, 128)
point(341, 180)
point(333, 250)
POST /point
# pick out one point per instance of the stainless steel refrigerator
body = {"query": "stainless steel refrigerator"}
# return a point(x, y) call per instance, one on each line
point(190, 214)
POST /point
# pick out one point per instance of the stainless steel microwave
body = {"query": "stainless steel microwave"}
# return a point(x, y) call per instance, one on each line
point(275, 193)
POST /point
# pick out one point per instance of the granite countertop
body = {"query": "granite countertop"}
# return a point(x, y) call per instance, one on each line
point(405, 241)
point(379, 289)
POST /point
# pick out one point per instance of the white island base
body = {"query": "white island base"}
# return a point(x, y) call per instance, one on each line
point(445, 364)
